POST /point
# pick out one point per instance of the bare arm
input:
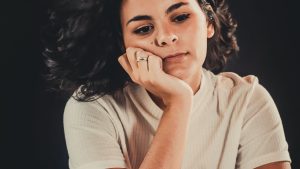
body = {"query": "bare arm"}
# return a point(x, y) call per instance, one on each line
point(167, 148)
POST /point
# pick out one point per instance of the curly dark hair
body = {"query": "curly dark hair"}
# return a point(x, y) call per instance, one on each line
point(84, 39)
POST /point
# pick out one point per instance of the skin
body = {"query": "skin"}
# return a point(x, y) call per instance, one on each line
point(169, 33)
point(171, 82)
point(181, 30)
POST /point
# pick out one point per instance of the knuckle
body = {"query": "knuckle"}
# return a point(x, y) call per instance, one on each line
point(144, 79)
point(128, 50)
point(134, 79)
point(150, 58)
point(134, 75)
point(137, 52)
point(154, 58)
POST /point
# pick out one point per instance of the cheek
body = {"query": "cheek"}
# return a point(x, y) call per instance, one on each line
point(196, 36)
point(127, 40)
point(196, 31)
point(133, 41)
point(196, 39)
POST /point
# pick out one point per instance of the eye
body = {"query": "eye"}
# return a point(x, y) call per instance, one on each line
point(144, 29)
point(181, 18)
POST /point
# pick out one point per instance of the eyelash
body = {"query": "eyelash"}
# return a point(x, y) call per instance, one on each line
point(142, 31)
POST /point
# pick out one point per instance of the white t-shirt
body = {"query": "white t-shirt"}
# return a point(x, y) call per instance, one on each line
point(234, 124)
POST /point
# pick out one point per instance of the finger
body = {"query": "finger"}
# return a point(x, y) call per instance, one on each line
point(143, 64)
point(131, 56)
point(155, 64)
point(123, 60)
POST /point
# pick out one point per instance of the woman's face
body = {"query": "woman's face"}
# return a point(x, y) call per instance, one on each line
point(167, 28)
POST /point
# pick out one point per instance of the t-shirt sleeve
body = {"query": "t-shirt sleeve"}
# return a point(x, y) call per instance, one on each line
point(91, 138)
point(262, 137)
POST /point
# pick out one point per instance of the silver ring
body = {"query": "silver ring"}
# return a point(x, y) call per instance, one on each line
point(140, 58)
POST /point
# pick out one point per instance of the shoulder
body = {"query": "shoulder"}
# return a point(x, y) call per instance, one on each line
point(77, 112)
point(96, 102)
point(232, 83)
point(83, 109)
point(75, 105)
point(106, 105)
point(233, 80)
point(96, 116)
point(232, 89)
point(242, 84)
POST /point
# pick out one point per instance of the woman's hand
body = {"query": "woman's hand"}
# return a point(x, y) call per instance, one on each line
point(145, 69)
point(148, 72)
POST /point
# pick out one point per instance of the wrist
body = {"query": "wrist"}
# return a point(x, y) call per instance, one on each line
point(183, 102)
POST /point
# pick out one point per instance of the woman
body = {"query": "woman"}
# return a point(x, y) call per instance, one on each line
point(145, 95)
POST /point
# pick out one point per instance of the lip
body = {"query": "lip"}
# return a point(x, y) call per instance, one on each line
point(175, 56)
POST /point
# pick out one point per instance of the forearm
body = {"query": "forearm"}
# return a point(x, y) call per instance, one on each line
point(167, 148)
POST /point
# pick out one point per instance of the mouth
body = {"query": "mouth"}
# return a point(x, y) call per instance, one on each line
point(175, 56)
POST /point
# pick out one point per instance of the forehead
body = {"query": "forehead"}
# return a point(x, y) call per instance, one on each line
point(131, 8)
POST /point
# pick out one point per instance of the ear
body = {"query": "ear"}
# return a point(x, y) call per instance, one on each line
point(210, 30)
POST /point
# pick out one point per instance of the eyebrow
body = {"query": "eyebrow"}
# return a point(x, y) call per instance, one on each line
point(147, 17)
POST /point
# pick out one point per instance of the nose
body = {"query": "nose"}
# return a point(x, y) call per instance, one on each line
point(165, 38)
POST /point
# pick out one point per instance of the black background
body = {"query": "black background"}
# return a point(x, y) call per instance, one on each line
point(31, 118)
